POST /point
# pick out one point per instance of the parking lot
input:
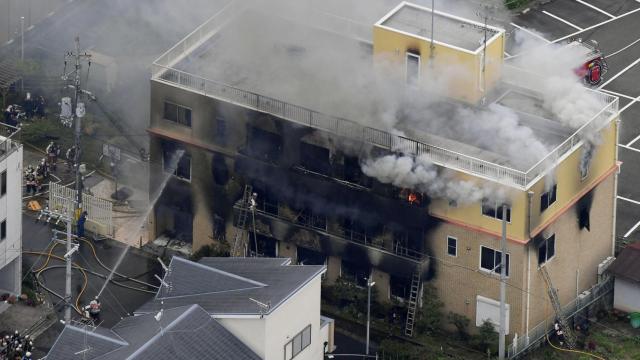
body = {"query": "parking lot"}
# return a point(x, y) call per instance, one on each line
point(614, 25)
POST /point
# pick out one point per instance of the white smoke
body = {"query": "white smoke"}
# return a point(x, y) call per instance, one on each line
point(419, 174)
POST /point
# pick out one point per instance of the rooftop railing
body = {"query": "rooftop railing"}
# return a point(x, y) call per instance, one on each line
point(162, 70)
point(9, 140)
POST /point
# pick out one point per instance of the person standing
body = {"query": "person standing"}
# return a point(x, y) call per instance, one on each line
point(81, 222)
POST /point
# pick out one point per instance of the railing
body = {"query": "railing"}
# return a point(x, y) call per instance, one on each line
point(162, 71)
point(9, 140)
point(345, 234)
point(538, 334)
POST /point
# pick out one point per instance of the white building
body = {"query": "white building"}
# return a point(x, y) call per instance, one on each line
point(271, 306)
point(10, 215)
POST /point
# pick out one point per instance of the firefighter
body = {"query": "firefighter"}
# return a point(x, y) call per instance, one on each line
point(253, 202)
point(31, 183)
point(70, 155)
point(42, 172)
point(40, 105)
point(53, 151)
point(27, 356)
point(559, 332)
point(81, 221)
point(29, 106)
point(94, 310)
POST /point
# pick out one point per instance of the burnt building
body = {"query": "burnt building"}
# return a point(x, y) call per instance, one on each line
point(406, 181)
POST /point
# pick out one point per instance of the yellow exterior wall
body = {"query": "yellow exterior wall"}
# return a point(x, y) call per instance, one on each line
point(456, 72)
point(567, 177)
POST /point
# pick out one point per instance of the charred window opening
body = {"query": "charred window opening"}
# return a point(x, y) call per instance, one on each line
point(355, 272)
point(219, 228)
point(264, 145)
point(490, 260)
point(266, 246)
point(172, 162)
point(308, 218)
point(310, 257)
point(547, 250)
point(407, 242)
point(400, 287)
point(358, 231)
point(353, 172)
point(220, 170)
point(584, 209)
point(412, 66)
point(267, 200)
point(315, 158)
point(221, 131)
point(548, 198)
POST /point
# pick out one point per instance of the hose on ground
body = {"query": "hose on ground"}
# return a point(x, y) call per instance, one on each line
point(95, 255)
point(573, 351)
point(103, 276)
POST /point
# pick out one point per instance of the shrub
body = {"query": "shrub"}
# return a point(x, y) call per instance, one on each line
point(430, 315)
point(487, 338)
point(211, 250)
point(461, 323)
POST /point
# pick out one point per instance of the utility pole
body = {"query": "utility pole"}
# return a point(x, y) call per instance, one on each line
point(503, 284)
point(369, 286)
point(431, 46)
point(78, 113)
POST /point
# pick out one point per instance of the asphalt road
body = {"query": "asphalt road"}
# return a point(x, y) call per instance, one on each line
point(614, 25)
point(116, 301)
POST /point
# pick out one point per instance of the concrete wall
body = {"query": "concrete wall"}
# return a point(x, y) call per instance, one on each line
point(11, 211)
point(292, 317)
point(252, 332)
point(626, 295)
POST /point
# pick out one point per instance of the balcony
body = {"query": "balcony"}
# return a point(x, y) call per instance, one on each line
point(164, 70)
point(276, 220)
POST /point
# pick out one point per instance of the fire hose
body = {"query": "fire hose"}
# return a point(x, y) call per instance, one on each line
point(573, 351)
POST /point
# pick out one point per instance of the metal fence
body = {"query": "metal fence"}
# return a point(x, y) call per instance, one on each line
point(162, 71)
point(538, 334)
point(99, 211)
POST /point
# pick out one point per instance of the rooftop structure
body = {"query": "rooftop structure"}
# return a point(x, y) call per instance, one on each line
point(185, 332)
point(449, 30)
point(225, 286)
point(248, 71)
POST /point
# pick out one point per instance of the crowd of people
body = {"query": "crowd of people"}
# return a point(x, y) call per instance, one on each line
point(35, 177)
point(14, 114)
point(16, 347)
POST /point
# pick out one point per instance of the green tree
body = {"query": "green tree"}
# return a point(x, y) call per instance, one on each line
point(461, 324)
point(487, 338)
point(430, 315)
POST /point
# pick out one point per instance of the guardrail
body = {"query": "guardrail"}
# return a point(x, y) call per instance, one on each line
point(9, 140)
point(162, 71)
point(538, 333)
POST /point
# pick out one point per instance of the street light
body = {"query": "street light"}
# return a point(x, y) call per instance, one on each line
point(369, 286)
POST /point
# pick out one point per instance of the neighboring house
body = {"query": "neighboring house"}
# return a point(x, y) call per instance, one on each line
point(10, 215)
point(626, 269)
point(184, 332)
point(248, 100)
point(271, 306)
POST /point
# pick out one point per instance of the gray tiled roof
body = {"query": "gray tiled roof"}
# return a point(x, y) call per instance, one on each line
point(187, 332)
point(224, 288)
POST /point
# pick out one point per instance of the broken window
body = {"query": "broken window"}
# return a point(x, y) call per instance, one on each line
point(492, 209)
point(315, 158)
point(399, 286)
point(547, 250)
point(353, 172)
point(584, 208)
point(220, 169)
point(548, 198)
point(266, 245)
point(355, 272)
point(310, 257)
point(176, 160)
point(264, 145)
point(490, 260)
point(267, 200)
point(221, 130)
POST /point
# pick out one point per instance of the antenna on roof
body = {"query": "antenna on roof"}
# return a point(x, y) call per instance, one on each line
point(263, 307)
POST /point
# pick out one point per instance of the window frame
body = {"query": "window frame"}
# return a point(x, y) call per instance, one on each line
point(175, 172)
point(177, 119)
point(3, 183)
point(495, 210)
point(548, 198)
point(455, 246)
point(494, 271)
point(300, 336)
point(545, 244)
point(409, 54)
point(3, 230)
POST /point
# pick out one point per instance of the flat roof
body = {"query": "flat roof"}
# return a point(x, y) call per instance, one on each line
point(448, 30)
point(316, 71)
